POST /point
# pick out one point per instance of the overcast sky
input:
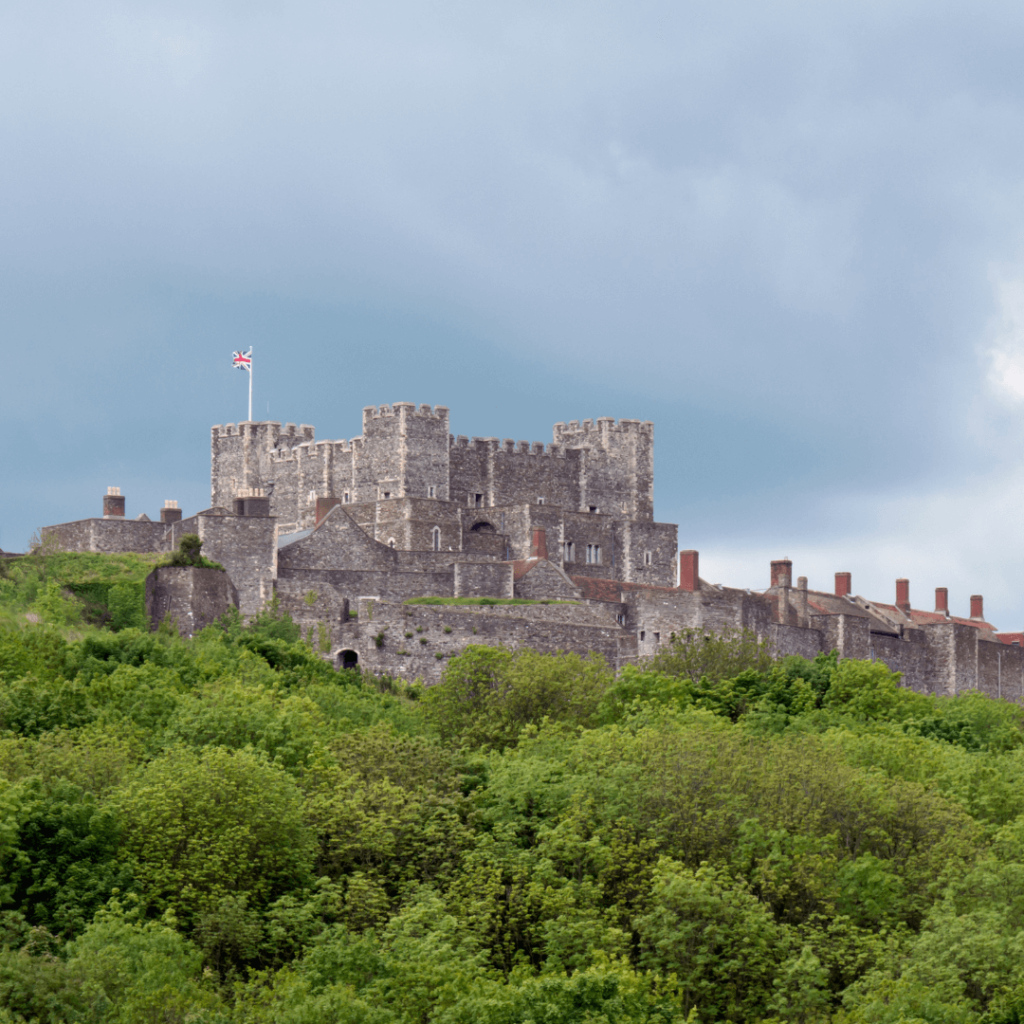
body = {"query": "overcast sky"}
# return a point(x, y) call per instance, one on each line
point(790, 234)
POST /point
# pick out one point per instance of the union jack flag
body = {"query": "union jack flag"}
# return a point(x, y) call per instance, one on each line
point(243, 360)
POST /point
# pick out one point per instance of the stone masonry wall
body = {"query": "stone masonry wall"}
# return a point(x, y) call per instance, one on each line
point(193, 597)
point(617, 467)
point(483, 579)
point(245, 545)
point(108, 536)
point(437, 633)
point(510, 473)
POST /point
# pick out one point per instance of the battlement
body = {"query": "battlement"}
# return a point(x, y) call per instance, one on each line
point(508, 446)
point(268, 427)
point(600, 430)
point(424, 411)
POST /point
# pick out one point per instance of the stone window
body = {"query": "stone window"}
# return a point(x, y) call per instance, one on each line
point(593, 508)
point(478, 501)
point(346, 499)
point(647, 558)
point(569, 554)
point(593, 554)
point(620, 619)
point(540, 501)
point(430, 492)
point(391, 542)
point(657, 638)
point(435, 538)
point(387, 494)
point(643, 636)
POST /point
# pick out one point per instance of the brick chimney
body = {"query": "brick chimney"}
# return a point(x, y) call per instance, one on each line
point(903, 595)
point(323, 506)
point(539, 544)
point(251, 501)
point(942, 600)
point(170, 513)
point(113, 503)
point(688, 571)
point(782, 573)
point(844, 584)
point(977, 607)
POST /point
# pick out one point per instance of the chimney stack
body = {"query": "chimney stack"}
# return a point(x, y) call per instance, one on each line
point(251, 501)
point(113, 503)
point(539, 544)
point(170, 513)
point(977, 607)
point(942, 600)
point(903, 595)
point(844, 584)
point(782, 573)
point(688, 571)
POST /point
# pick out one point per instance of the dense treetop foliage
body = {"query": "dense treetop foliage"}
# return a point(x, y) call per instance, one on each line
point(228, 830)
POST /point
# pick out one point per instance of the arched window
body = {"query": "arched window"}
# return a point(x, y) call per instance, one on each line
point(435, 538)
point(391, 542)
point(348, 659)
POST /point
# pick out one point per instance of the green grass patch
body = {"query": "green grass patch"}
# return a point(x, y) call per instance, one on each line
point(90, 577)
point(480, 600)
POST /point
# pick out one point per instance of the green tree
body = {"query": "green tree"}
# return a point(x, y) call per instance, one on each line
point(696, 653)
point(488, 695)
point(127, 607)
point(720, 942)
point(202, 825)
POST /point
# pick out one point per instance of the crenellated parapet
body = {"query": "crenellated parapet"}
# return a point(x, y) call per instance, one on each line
point(408, 410)
point(604, 432)
point(507, 446)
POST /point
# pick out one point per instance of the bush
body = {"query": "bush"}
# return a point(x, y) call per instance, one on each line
point(188, 555)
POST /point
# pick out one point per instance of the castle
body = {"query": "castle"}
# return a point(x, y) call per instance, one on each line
point(345, 533)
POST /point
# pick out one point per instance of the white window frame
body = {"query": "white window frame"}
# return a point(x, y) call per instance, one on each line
point(593, 554)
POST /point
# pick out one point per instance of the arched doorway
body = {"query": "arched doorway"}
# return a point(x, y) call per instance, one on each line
point(348, 659)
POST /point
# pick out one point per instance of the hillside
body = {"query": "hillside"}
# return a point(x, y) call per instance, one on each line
point(227, 830)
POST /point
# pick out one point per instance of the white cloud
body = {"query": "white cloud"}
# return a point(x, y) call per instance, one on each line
point(1006, 348)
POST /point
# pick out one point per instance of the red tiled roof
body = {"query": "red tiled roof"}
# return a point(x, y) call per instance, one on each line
point(1017, 639)
point(599, 590)
point(521, 566)
point(924, 618)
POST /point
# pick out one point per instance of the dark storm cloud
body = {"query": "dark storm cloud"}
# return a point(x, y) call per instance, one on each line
point(782, 231)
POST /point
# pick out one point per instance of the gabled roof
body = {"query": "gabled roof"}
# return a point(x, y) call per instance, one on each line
point(822, 603)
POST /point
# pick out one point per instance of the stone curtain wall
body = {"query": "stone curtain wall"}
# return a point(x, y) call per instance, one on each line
point(109, 536)
point(416, 656)
point(509, 473)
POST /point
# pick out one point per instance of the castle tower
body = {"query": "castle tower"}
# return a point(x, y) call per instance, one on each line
point(240, 458)
point(404, 453)
point(616, 472)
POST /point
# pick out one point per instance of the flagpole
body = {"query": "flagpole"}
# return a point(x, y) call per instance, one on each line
point(250, 384)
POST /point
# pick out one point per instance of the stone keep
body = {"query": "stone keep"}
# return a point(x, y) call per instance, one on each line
point(592, 488)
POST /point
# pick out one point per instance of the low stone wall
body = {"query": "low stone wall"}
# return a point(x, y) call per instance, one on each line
point(109, 536)
point(193, 597)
